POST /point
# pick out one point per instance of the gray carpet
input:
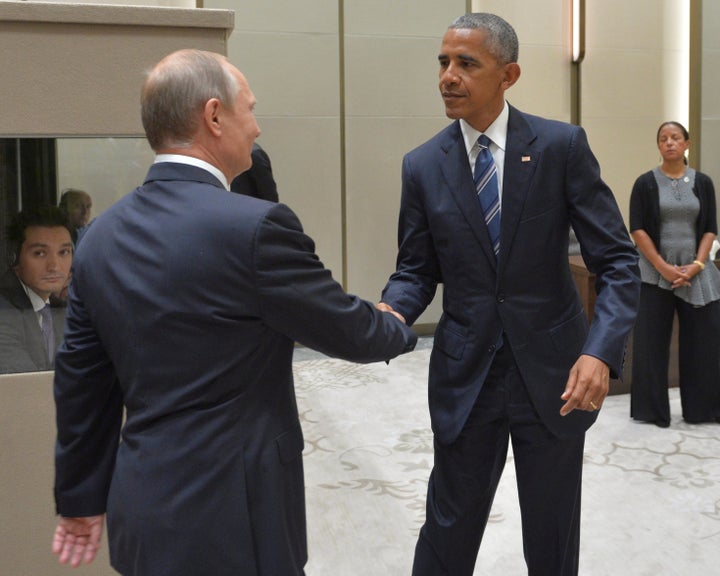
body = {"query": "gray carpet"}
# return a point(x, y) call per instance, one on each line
point(651, 497)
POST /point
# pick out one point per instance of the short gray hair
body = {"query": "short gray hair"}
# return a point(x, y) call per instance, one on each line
point(500, 38)
point(177, 89)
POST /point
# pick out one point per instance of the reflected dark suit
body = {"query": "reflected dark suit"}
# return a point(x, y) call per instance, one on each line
point(194, 298)
point(258, 181)
point(22, 348)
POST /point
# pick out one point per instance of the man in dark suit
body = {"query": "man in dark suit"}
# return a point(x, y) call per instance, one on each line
point(40, 253)
point(185, 306)
point(258, 180)
point(513, 355)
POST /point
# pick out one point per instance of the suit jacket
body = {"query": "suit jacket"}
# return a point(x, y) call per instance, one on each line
point(551, 183)
point(22, 348)
point(191, 299)
point(258, 181)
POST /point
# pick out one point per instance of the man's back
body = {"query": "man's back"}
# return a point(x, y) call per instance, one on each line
point(193, 297)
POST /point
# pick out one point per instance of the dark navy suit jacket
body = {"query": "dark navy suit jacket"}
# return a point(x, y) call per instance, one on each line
point(551, 183)
point(185, 305)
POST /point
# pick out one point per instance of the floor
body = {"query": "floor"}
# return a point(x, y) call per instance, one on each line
point(651, 496)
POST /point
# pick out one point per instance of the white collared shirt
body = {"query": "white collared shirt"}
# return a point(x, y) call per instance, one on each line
point(37, 302)
point(497, 132)
point(192, 161)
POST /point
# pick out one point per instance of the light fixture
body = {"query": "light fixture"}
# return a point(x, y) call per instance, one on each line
point(578, 30)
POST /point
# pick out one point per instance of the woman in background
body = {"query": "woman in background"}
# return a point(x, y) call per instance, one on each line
point(673, 223)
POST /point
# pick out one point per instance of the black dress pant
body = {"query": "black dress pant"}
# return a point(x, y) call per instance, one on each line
point(466, 473)
point(699, 358)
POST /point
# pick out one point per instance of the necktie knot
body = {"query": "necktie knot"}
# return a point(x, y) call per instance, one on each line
point(484, 141)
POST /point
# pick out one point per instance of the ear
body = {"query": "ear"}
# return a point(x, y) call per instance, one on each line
point(512, 73)
point(211, 116)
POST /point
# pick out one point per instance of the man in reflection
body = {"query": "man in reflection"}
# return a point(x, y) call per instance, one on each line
point(40, 254)
point(184, 307)
point(76, 205)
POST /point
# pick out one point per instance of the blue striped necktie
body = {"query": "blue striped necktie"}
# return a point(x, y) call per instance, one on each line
point(48, 332)
point(486, 185)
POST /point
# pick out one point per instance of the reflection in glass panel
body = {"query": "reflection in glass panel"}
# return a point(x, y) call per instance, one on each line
point(33, 173)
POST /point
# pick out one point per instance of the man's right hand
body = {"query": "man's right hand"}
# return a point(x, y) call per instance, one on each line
point(77, 540)
point(386, 308)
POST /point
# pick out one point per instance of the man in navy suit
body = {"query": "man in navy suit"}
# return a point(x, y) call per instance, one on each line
point(513, 357)
point(185, 305)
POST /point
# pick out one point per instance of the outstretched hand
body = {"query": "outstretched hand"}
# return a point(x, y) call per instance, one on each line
point(387, 308)
point(77, 540)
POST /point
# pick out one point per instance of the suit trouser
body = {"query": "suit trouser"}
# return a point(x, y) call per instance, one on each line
point(466, 473)
point(699, 367)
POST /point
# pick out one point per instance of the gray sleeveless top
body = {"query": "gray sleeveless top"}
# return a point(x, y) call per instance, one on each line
point(679, 209)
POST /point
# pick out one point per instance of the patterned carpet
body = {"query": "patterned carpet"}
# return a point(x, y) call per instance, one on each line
point(651, 497)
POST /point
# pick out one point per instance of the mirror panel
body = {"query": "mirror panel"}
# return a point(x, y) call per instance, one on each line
point(35, 172)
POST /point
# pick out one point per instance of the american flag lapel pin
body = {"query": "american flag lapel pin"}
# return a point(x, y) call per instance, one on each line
point(525, 159)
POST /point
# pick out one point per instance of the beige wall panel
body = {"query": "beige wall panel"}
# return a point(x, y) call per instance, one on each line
point(635, 139)
point(401, 17)
point(711, 151)
point(312, 16)
point(709, 137)
point(620, 84)
point(375, 150)
point(63, 51)
point(170, 3)
point(290, 74)
point(539, 22)
point(640, 24)
point(305, 155)
point(711, 25)
point(392, 105)
point(543, 29)
point(711, 84)
point(27, 429)
point(390, 76)
point(544, 84)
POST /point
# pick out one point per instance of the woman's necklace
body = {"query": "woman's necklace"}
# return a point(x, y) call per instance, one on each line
point(674, 176)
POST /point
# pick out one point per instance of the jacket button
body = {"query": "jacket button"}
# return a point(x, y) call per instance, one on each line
point(501, 298)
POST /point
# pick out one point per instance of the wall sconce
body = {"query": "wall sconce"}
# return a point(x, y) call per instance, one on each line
point(578, 30)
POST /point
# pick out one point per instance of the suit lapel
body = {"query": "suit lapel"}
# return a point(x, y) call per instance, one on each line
point(458, 176)
point(521, 159)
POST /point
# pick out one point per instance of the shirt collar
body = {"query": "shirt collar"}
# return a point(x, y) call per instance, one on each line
point(37, 302)
point(497, 131)
point(192, 161)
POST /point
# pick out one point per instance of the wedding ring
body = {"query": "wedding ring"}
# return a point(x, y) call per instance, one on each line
point(592, 405)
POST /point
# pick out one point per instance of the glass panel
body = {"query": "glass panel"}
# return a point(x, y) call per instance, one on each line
point(34, 172)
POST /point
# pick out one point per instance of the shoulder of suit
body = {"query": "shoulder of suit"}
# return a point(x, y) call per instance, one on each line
point(541, 125)
point(12, 292)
